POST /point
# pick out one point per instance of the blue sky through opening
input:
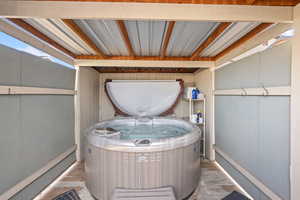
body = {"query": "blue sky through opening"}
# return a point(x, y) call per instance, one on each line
point(14, 43)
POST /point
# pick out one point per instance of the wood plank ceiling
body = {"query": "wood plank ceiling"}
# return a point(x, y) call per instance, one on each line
point(218, 31)
point(144, 70)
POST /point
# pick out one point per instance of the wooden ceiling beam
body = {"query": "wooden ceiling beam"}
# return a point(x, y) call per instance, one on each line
point(163, 51)
point(144, 11)
point(250, 2)
point(216, 33)
point(155, 58)
point(24, 25)
point(144, 63)
point(223, 2)
point(125, 37)
point(77, 30)
point(260, 28)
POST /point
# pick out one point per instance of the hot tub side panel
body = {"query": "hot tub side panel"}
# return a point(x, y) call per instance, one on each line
point(106, 170)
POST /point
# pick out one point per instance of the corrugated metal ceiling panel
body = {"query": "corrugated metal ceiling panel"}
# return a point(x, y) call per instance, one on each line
point(68, 31)
point(232, 34)
point(43, 28)
point(187, 36)
point(106, 35)
point(146, 36)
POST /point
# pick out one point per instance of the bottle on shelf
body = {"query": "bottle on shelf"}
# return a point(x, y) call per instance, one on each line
point(199, 117)
point(195, 93)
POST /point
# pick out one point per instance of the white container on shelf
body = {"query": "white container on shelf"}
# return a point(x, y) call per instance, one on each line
point(188, 92)
point(194, 118)
point(200, 120)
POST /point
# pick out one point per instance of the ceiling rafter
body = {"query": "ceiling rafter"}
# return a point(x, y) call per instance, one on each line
point(92, 57)
point(24, 25)
point(211, 38)
point(243, 39)
point(167, 39)
point(77, 30)
point(125, 37)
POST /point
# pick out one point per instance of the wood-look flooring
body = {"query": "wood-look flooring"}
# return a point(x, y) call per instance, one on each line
point(214, 184)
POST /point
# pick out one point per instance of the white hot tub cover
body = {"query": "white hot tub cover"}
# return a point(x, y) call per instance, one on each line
point(144, 98)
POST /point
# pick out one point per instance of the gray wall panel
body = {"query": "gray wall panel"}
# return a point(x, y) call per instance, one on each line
point(43, 73)
point(10, 72)
point(249, 72)
point(245, 140)
point(9, 142)
point(274, 144)
point(275, 66)
point(224, 122)
point(34, 128)
point(243, 74)
point(254, 130)
point(222, 82)
point(233, 114)
point(269, 68)
point(47, 128)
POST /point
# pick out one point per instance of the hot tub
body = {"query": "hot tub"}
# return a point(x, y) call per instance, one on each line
point(143, 151)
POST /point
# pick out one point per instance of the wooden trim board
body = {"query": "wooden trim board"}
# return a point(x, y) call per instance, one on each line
point(144, 11)
point(267, 91)
point(220, 2)
point(144, 63)
point(14, 90)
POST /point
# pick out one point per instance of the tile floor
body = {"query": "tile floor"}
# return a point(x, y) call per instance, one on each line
point(214, 184)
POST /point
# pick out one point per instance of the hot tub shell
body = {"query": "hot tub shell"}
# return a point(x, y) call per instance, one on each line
point(112, 163)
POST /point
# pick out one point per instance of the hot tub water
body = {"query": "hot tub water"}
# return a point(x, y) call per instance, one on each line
point(145, 131)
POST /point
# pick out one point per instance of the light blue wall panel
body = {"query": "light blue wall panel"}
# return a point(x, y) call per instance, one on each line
point(275, 66)
point(231, 135)
point(10, 68)
point(34, 128)
point(269, 68)
point(9, 142)
point(221, 77)
point(243, 74)
point(274, 144)
point(254, 130)
point(43, 73)
point(248, 71)
point(47, 123)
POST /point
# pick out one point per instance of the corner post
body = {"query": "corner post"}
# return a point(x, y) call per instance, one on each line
point(295, 109)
